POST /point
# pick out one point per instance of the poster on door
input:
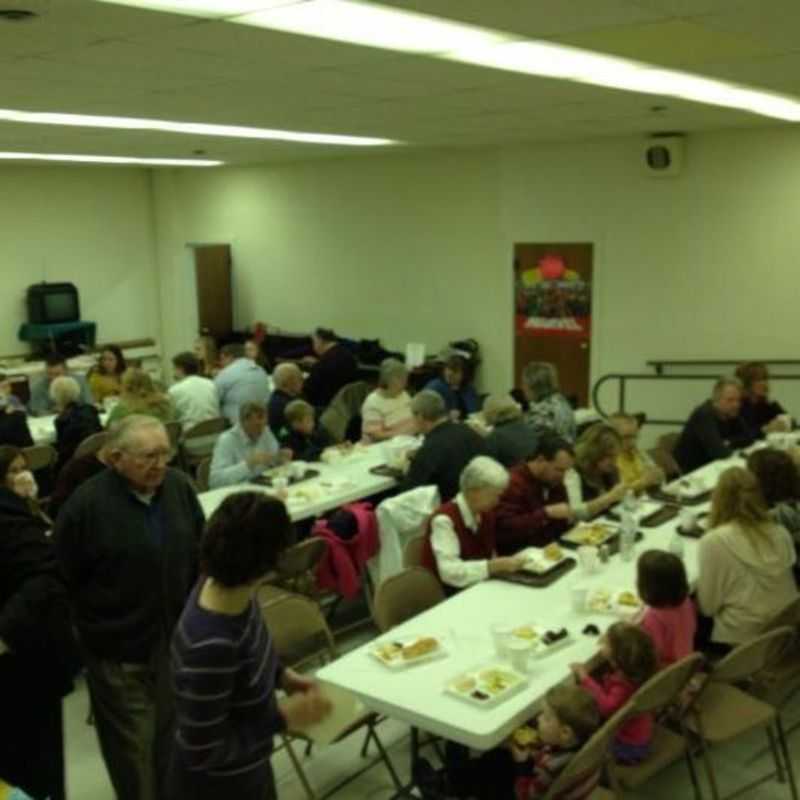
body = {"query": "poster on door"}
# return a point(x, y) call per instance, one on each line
point(553, 298)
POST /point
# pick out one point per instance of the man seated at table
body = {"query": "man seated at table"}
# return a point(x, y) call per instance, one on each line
point(448, 447)
point(194, 397)
point(636, 470)
point(288, 380)
point(246, 450)
point(240, 381)
point(40, 402)
point(715, 429)
point(533, 510)
point(334, 368)
point(459, 543)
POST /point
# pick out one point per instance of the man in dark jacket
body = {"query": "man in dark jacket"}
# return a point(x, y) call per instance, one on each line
point(127, 543)
point(715, 429)
point(335, 367)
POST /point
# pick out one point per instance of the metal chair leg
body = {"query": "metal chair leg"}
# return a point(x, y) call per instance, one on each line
point(298, 768)
point(698, 793)
point(398, 784)
point(786, 755)
point(712, 778)
point(776, 757)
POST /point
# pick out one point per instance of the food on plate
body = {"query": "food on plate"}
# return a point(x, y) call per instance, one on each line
point(525, 736)
point(553, 552)
point(496, 680)
point(421, 647)
point(628, 599)
point(591, 630)
point(525, 632)
point(600, 600)
point(388, 651)
point(594, 534)
point(464, 685)
point(478, 695)
point(551, 637)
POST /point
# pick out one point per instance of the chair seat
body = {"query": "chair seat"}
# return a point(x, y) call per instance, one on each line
point(602, 794)
point(667, 747)
point(726, 711)
point(782, 678)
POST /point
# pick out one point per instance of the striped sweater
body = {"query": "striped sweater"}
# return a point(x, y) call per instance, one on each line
point(224, 672)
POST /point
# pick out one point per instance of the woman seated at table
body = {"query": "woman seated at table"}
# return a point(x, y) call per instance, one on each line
point(105, 379)
point(547, 407)
point(512, 439)
point(594, 485)
point(762, 415)
point(75, 420)
point(459, 544)
point(455, 385)
point(779, 480)
point(636, 469)
point(744, 562)
point(140, 396)
point(387, 411)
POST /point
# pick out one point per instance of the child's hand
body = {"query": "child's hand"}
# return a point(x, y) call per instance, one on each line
point(579, 671)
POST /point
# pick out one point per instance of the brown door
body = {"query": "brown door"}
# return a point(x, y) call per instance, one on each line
point(212, 264)
point(553, 312)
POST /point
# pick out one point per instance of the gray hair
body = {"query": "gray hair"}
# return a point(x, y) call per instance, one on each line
point(121, 433)
point(283, 373)
point(540, 379)
point(429, 405)
point(723, 383)
point(251, 409)
point(483, 473)
point(498, 408)
point(65, 390)
point(391, 368)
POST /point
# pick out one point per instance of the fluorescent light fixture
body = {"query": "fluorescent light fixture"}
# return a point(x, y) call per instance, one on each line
point(374, 26)
point(195, 128)
point(209, 9)
point(149, 162)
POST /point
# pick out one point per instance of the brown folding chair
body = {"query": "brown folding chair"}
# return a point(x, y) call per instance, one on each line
point(297, 566)
point(404, 595)
point(412, 553)
point(301, 637)
point(40, 456)
point(202, 477)
point(198, 441)
point(663, 455)
point(344, 406)
point(91, 444)
point(663, 692)
point(723, 711)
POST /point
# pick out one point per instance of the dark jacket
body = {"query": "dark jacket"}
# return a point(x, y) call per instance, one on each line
point(757, 415)
point(447, 449)
point(307, 448)
point(511, 443)
point(74, 424)
point(707, 437)
point(129, 565)
point(336, 368)
point(14, 429)
point(276, 408)
point(34, 611)
point(465, 400)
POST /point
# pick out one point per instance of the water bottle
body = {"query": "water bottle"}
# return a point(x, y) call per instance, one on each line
point(627, 535)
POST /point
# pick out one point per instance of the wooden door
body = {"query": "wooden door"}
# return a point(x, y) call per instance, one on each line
point(212, 264)
point(553, 312)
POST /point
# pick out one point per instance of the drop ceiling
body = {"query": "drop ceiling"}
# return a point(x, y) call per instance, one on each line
point(82, 56)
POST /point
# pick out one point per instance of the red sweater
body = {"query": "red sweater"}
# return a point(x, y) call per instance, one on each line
point(475, 545)
point(521, 518)
point(610, 695)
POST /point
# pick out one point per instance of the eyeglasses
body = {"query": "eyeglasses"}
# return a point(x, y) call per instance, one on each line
point(152, 457)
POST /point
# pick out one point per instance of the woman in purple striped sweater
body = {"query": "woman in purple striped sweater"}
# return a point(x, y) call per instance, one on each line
point(225, 670)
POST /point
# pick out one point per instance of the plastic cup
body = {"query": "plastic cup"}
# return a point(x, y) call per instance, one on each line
point(501, 637)
point(280, 483)
point(588, 558)
point(519, 652)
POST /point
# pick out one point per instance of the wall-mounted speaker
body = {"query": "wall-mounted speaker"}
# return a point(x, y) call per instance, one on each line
point(663, 156)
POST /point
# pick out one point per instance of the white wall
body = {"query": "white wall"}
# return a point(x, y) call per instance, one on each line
point(92, 226)
point(418, 247)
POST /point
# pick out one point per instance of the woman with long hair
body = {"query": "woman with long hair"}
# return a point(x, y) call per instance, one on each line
point(745, 562)
point(105, 378)
point(140, 396)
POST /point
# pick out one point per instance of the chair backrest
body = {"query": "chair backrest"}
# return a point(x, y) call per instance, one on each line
point(344, 406)
point(752, 657)
point(666, 462)
point(299, 631)
point(208, 427)
point(666, 686)
point(788, 616)
point(91, 444)
point(412, 554)
point(668, 442)
point(302, 557)
point(404, 595)
point(40, 456)
point(202, 476)
point(174, 432)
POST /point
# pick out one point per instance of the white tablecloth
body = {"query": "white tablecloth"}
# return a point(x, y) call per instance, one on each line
point(43, 429)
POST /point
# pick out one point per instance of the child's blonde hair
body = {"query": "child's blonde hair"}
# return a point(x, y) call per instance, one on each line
point(297, 410)
point(632, 652)
point(576, 708)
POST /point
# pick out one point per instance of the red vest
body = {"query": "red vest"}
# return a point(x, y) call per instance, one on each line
point(474, 545)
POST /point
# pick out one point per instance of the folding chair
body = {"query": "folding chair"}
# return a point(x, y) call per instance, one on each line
point(405, 595)
point(198, 441)
point(40, 456)
point(91, 444)
point(203, 473)
point(412, 553)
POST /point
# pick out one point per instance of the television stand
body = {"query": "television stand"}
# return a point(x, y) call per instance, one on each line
point(65, 338)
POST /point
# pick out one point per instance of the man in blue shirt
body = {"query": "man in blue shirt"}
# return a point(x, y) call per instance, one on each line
point(246, 450)
point(240, 381)
point(55, 367)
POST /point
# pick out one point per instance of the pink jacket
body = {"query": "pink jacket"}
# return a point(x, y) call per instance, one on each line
point(610, 695)
point(340, 570)
point(672, 631)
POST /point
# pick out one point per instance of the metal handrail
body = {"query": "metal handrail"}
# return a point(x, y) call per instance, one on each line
point(625, 377)
point(659, 364)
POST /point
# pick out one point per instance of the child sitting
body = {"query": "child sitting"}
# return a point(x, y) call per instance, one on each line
point(670, 616)
point(632, 658)
point(302, 435)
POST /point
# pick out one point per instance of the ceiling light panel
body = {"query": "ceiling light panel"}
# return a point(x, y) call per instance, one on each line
point(119, 160)
point(207, 9)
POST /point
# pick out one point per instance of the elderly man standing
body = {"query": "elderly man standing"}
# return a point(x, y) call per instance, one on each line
point(448, 447)
point(288, 386)
point(334, 368)
point(127, 543)
point(240, 381)
point(533, 510)
point(55, 366)
point(715, 429)
point(245, 451)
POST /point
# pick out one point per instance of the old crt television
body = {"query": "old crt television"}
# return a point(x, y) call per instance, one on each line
point(51, 303)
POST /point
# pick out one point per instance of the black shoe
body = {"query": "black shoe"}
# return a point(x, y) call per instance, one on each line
point(432, 783)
